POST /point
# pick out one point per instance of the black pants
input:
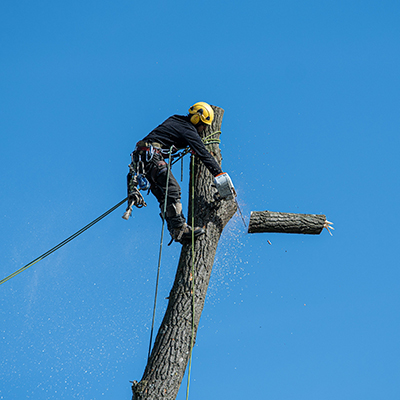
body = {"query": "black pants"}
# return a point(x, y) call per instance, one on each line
point(156, 173)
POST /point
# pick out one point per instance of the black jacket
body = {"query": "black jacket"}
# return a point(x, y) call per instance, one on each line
point(180, 132)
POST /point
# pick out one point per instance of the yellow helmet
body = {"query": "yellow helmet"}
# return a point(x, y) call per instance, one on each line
point(201, 112)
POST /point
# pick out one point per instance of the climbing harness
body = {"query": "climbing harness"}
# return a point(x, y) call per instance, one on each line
point(64, 242)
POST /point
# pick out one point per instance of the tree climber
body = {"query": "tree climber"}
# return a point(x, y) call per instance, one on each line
point(177, 132)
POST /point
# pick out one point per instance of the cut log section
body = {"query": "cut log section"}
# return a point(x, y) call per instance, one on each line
point(279, 222)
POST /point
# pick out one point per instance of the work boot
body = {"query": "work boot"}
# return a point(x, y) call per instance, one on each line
point(184, 233)
point(180, 231)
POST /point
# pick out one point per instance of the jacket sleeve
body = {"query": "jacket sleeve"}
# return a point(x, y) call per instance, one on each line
point(196, 144)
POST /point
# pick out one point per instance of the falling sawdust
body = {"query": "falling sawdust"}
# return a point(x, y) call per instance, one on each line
point(229, 266)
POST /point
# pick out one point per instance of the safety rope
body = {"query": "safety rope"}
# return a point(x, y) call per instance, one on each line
point(193, 288)
point(206, 141)
point(160, 252)
point(64, 242)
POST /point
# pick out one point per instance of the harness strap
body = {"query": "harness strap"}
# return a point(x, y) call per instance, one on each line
point(150, 148)
point(142, 143)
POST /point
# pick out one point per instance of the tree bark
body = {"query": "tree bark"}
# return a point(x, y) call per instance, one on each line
point(278, 222)
point(171, 351)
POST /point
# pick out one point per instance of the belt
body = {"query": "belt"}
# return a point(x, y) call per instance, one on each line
point(142, 143)
point(145, 148)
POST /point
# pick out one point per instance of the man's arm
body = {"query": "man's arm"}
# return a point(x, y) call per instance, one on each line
point(196, 144)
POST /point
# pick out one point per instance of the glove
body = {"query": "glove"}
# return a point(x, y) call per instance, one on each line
point(225, 186)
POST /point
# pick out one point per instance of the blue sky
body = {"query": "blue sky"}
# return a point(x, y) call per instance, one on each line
point(311, 98)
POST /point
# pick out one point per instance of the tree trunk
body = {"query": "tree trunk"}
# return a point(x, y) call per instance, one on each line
point(171, 351)
point(269, 221)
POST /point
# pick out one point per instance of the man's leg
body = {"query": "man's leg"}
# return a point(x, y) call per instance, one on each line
point(174, 217)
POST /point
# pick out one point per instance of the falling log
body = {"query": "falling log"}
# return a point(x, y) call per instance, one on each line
point(279, 222)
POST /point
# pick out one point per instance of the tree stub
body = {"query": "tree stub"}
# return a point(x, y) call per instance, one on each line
point(279, 222)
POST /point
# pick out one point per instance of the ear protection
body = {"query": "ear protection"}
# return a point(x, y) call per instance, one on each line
point(195, 118)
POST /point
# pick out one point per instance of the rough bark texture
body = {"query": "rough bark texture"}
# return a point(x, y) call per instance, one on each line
point(170, 354)
point(269, 221)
